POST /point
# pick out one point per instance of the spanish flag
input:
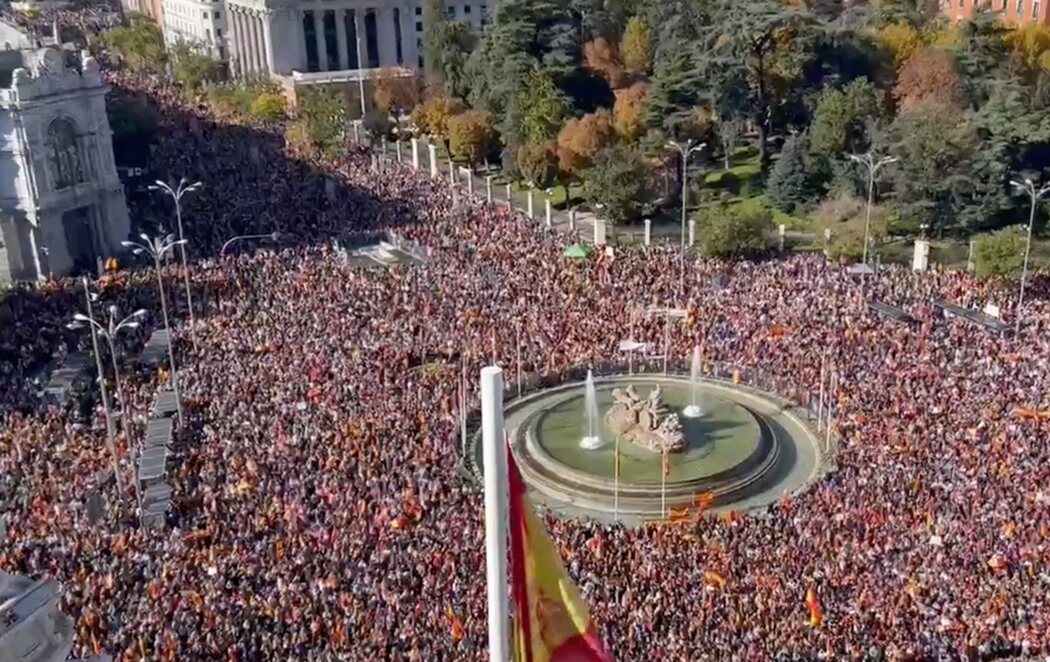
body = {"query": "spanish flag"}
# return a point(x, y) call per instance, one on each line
point(551, 621)
point(816, 613)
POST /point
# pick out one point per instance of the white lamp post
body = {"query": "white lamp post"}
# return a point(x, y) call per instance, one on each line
point(685, 151)
point(873, 163)
point(176, 194)
point(1036, 194)
point(157, 248)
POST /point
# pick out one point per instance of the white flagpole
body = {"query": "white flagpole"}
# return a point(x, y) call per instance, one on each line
point(617, 462)
point(833, 385)
point(496, 512)
point(463, 402)
point(517, 351)
point(663, 484)
point(823, 376)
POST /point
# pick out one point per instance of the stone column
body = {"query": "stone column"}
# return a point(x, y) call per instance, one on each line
point(269, 62)
point(921, 259)
point(241, 40)
point(529, 203)
point(781, 234)
point(415, 153)
point(648, 232)
point(510, 200)
point(451, 173)
point(295, 17)
point(433, 161)
point(572, 219)
point(258, 29)
point(398, 143)
point(547, 210)
point(470, 183)
point(488, 188)
point(322, 40)
point(385, 35)
point(692, 232)
point(340, 38)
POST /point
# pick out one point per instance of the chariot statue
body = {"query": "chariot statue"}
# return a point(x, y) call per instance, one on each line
point(646, 423)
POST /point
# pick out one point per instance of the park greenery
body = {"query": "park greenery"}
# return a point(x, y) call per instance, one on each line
point(583, 97)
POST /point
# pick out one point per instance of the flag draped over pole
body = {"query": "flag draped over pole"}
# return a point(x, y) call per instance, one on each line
point(551, 621)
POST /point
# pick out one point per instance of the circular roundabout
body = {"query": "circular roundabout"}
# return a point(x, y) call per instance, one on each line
point(729, 447)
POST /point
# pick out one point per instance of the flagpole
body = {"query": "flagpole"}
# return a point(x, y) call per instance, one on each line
point(496, 511)
point(517, 351)
point(823, 376)
point(663, 484)
point(616, 482)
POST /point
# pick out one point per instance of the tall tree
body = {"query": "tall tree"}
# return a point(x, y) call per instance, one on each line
point(618, 181)
point(636, 47)
point(629, 111)
point(434, 18)
point(676, 88)
point(543, 108)
point(840, 126)
point(791, 184)
point(767, 40)
point(932, 180)
point(581, 139)
point(930, 74)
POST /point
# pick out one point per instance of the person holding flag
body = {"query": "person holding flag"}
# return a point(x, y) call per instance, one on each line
point(551, 621)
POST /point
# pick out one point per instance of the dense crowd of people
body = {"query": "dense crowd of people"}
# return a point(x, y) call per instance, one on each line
point(318, 510)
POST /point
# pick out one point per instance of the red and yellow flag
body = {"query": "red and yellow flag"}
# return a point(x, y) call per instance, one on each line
point(551, 621)
point(816, 613)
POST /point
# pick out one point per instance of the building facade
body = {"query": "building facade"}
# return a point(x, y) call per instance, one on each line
point(199, 23)
point(62, 206)
point(279, 38)
point(1012, 11)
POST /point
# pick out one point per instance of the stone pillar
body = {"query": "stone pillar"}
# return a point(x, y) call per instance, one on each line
point(398, 144)
point(470, 183)
point(340, 39)
point(322, 40)
point(969, 258)
point(245, 42)
point(529, 203)
point(357, 132)
point(259, 21)
point(921, 259)
point(488, 188)
point(269, 62)
point(781, 235)
point(572, 219)
point(547, 210)
point(451, 173)
point(599, 232)
point(433, 161)
point(510, 200)
point(385, 36)
point(692, 232)
point(253, 42)
point(415, 153)
point(235, 43)
point(827, 242)
point(648, 232)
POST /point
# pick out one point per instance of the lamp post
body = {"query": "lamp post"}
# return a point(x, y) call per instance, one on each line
point(176, 194)
point(157, 248)
point(685, 151)
point(873, 163)
point(1036, 194)
point(273, 236)
point(93, 325)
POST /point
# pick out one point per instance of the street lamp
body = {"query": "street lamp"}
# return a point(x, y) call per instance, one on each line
point(110, 436)
point(1036, 194)
point(110, 331)
point(176, 194)
point(273, 236)
point(157, 248)
point(685, 150)
point(872, 162)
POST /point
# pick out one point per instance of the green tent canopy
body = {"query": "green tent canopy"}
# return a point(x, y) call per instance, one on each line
point(577, 252)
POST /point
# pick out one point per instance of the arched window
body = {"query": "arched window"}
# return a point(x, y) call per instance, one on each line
point(63, 155)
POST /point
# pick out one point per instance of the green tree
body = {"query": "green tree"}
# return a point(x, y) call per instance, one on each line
point(636, 47)
point(791, 184)
point(766, 41)
point(139, 46)
point(618, 181)
point(447, 49)
point(999, 254)
point(193, 69)
point(538, 163)
point(471, 134)
point(729, 232)
point(841, 119)
point(932, 181)
point(323, 114)
point(543, 108)
point(675, 90)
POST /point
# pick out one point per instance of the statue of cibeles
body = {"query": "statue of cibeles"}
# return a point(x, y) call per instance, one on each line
point(646, 423)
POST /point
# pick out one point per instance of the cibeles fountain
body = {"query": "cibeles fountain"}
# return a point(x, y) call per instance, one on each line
point(632, 446)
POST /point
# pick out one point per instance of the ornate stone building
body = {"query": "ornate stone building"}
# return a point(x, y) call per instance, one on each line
point(61, 204)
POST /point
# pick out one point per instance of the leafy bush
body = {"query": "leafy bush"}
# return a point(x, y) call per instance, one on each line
point(732, 232)
point(378, 124)
point(1000, 254)
point(267, 107)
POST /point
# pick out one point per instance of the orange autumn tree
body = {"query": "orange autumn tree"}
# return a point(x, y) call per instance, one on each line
point(930, 74)
point(628, 113)
point(602, 58)
point(580, 139)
